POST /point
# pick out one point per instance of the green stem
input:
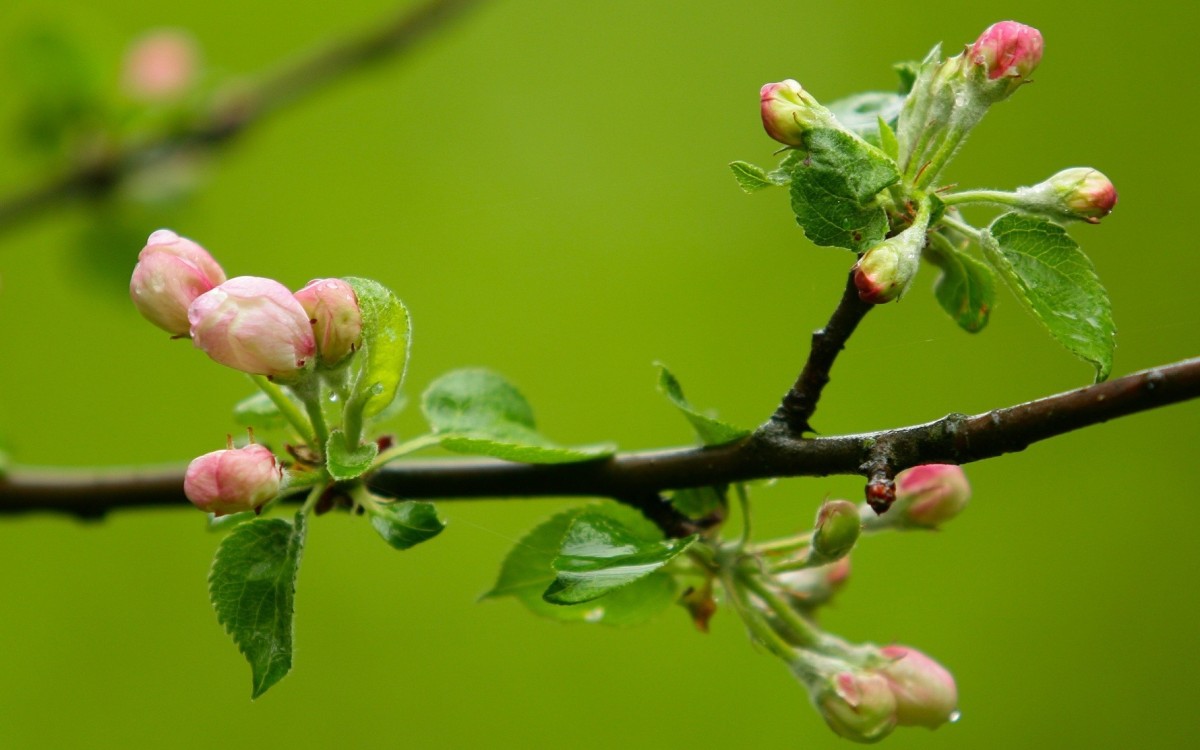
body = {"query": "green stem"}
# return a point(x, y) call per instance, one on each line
point(288, 409)
point(744, 502)
point(403, 449)
point(961, 227)
point(313, 496)
point(758, 627)
point(806, 635)
point(995, 197)
point(943, 155)
point(784, 545)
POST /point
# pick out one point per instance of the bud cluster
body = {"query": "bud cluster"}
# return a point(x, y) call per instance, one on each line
point(252, 324)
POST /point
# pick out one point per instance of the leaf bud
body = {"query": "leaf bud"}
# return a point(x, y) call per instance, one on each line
point(233, 480)
point(789, 112)
point(928, 495)
point(857, 705)
point(171, 272)
point(837, 529)
point(333, 310)
point(924, 691)
point(254, 325)
point(1077, 193)
point(1007, 53)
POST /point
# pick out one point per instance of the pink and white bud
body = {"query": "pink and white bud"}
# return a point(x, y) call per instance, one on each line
point(161, 65)
point(810, 588)
point(789, 112)
point(234, 480)
point(336, 319)
point(254, 325)
point(1007, 50)
point(171, 272)
point(857, 705)
point(925, 692)
point(929, 495)
point(1079, 193)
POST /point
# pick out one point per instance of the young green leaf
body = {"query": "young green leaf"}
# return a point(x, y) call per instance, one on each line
point(833, 190)
point(478, 412)
point(697, 502)
point(259, 412)
point(406, 524)
point(527, 572)
point(344, 462)
point(600, 555)
point(750, 177)
point(887, 139)
point(966, 290)
point(1055, 281)
point(710, 431)
point(861, 112)
point(385, 342)
point(253, 588)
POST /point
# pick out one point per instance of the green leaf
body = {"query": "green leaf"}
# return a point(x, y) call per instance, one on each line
point(887, 140)
point(253, 589)
point(751, 178)
point(1055, 281)
point(710, 431)
point(57, 82)
point(385, 342)
point(478, 412)
point(833, 191)
point(406, 524)
point(345, 463)
point(861, 112)
point(600, 555)
point(907, 72)
point(966, 289)
point(697, 502)
point(527, 572)
point(259, 412)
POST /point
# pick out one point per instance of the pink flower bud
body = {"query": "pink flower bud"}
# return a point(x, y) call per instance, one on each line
point(924, 691)
point(857, 705)
point(254, 325)
point(332, 308)
point(232, 481)
point(161, 65)
point(879, 275)
point(929, 495)
point(1007, 50)
point(812, 587)
point(1077, 193)
point(171, 272)
point(788, 112)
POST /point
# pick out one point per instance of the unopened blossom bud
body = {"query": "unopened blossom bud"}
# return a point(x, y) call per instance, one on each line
point(924, 691)
point(929, 495)
point(836, 530)
point(171, 272)
point(161, 65)
point(1008, 52)
point(809, 588)
point(857, 705)
point(789, 112)
point(1079, 193)
point(254, 325)
point(234, 480)
point(333, 309)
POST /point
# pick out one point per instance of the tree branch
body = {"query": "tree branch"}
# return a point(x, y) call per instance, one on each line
point(773, 451)
point(800, 402)
point(234, 110)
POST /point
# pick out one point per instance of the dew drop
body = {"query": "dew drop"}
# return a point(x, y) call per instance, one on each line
point(594, 615)
point(955, 716)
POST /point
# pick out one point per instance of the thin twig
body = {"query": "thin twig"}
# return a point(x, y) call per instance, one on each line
point(235, 109)
point(800, 402)
point(768, 453)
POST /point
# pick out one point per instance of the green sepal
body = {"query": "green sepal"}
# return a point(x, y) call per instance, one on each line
point(1056, 282)
point(406, 524)
point(887, 139)
point(253, 588)
point(479, 412)
point(527, 572)
point(966, 288)
point(600, 555)
point(385, 342)
point(833, 190)
point(343, 462)
point(711, 431)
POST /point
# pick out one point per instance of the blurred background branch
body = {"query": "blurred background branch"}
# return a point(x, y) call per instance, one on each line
point(234, 108)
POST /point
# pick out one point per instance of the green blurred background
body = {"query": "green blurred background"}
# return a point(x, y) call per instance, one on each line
point(545, 186)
